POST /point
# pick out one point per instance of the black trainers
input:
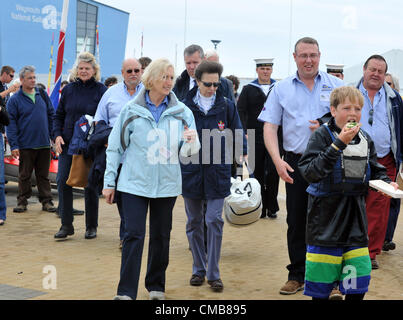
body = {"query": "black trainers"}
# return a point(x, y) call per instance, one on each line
point(90, 233)
point(389, 245)
point(216, 285)
point(272, 215)
point(49, 207)
point(64, 232)
point(77, 212)
point(20, 208)
point(196, 280)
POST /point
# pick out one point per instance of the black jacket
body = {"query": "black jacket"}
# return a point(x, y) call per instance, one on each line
point(337, 220)
point(4, 118)
point(250, 104)
point(211, 180)
point(181, 88)
point(78, 98)
point(97, 151)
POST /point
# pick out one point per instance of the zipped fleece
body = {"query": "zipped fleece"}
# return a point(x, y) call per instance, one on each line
point(151, 167)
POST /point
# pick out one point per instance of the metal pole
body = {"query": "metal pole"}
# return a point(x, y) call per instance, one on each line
point(184, 33)
point(289, 39)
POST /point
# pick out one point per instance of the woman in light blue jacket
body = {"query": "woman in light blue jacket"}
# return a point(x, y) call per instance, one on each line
point(152, 131)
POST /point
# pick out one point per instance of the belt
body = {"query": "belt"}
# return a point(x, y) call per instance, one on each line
point(390, 154)
point(292, 154)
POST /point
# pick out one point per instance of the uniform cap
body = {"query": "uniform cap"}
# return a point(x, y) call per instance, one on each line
point(266, 62)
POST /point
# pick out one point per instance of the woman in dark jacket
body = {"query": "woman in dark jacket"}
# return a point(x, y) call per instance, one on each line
point(78, 98)
point(206, 181)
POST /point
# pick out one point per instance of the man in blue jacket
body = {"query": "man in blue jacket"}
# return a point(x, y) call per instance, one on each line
point(29, 134)
point(382, 118)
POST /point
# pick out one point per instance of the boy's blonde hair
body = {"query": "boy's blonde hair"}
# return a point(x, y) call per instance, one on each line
point(339, 95)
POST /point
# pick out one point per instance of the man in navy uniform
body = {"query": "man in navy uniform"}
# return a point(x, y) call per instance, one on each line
point(335, 70)
point(250, 104)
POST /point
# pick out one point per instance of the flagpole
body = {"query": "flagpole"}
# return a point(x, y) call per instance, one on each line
point(99, 62)
point(289, 40)
point(142, 43)
point(51, 62)
point(54, 97)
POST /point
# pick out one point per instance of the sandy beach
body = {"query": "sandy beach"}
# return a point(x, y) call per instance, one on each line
point(253, 259)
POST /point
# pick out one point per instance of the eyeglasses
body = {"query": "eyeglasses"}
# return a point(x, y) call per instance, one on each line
point(305, 56)
point(209, 84)
point(133, 70)
point(389, 83)
point(11, 75)
point(371, 117)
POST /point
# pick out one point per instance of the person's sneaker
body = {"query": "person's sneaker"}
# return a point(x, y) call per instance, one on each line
point(77, 212)
point(49, 207)
point(216, 285)
point(292, 287)
point(335, 295)
point(157, 295)
point(389, 245)
point(196, 280)
point(374, 264)
point(122, 298)
point(20, 208)
point(90, 233)
point(272, 215)
point(64, 232)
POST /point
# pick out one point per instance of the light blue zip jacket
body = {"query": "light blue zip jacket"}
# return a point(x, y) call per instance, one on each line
point(151, 166)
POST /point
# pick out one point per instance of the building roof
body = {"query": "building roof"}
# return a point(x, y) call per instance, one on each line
point(106, 5)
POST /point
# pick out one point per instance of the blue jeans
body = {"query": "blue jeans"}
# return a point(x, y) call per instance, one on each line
point(134, 209)
point(65, 192)
point(3, 205)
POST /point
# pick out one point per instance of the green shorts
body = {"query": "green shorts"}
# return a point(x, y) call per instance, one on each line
point(327, 267)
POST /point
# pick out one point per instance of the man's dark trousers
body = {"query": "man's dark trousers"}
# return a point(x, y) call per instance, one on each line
point(297, 203)
point(30, 159)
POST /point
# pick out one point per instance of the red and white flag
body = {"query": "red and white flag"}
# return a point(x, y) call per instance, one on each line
point(54, 97)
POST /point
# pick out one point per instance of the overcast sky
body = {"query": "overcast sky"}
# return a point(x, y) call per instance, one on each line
point(347, 31)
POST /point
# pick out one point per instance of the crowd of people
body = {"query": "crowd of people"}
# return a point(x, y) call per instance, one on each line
point(145, 141)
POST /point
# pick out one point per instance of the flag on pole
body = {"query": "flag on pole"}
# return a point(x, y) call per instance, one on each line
point(97, 45)
point(51, 61)
point(54, 97)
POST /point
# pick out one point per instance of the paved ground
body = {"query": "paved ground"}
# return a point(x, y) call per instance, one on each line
point(34, 266)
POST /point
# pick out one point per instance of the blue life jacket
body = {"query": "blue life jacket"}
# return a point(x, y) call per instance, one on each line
point(351, 172)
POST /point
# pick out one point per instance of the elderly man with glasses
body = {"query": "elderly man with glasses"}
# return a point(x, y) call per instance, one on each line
point(115, 98)
point(382, 118)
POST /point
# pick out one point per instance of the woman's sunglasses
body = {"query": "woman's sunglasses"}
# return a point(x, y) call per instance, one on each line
point(209, 84)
